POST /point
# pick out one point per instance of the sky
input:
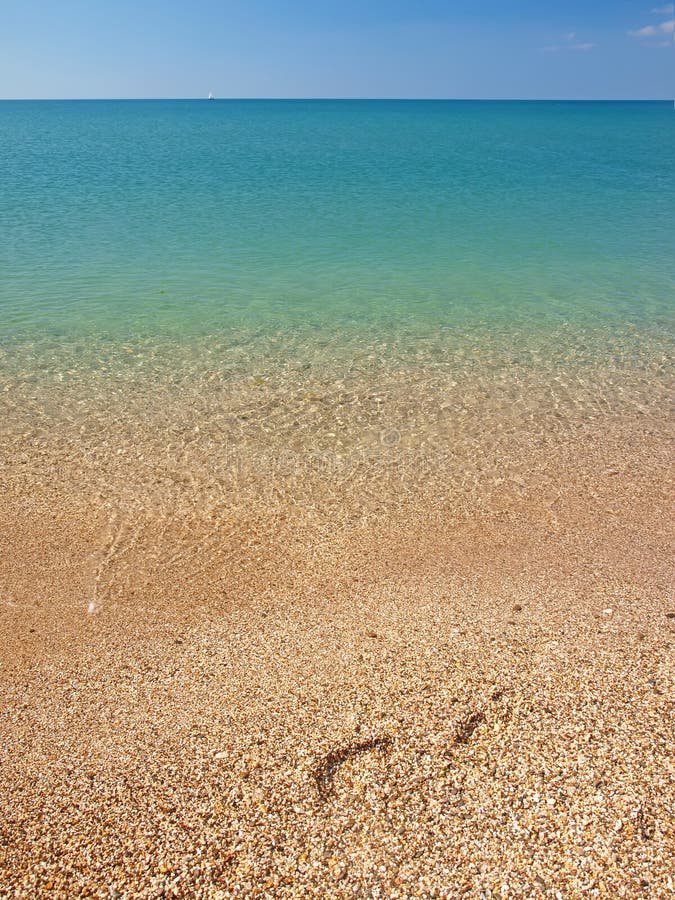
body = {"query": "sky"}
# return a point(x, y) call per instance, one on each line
point(520, 49)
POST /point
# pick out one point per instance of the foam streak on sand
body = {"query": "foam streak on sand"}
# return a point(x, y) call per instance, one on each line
point(394, 627)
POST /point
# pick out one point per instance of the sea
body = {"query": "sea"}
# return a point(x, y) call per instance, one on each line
point(236, 299)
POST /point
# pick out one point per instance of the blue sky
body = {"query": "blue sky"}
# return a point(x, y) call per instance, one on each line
point(337, 48)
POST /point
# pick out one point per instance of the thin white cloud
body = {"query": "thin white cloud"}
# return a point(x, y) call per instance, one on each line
point(652, 31)
point(571, 44)
point(666, 10)
point(646, 32)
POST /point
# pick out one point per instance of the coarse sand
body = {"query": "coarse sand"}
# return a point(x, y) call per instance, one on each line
point(451, 695)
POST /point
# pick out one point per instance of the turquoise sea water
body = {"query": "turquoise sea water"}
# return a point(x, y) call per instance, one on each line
point(142, 217)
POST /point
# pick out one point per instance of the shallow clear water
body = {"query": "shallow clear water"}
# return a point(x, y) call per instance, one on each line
point(183, 280)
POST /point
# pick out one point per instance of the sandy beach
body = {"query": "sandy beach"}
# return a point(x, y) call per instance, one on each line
point(446, 699)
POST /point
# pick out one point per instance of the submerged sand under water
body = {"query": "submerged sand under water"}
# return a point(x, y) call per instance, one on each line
point(350, 617)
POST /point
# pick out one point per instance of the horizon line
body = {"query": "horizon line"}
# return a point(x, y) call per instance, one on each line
point(341, 99)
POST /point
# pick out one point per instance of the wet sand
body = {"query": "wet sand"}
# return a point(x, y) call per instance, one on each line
point(384, 671)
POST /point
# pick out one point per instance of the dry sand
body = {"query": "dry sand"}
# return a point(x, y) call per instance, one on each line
point(434, 693)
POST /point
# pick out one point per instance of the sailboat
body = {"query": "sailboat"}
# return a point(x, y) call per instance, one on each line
point(211, 97)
